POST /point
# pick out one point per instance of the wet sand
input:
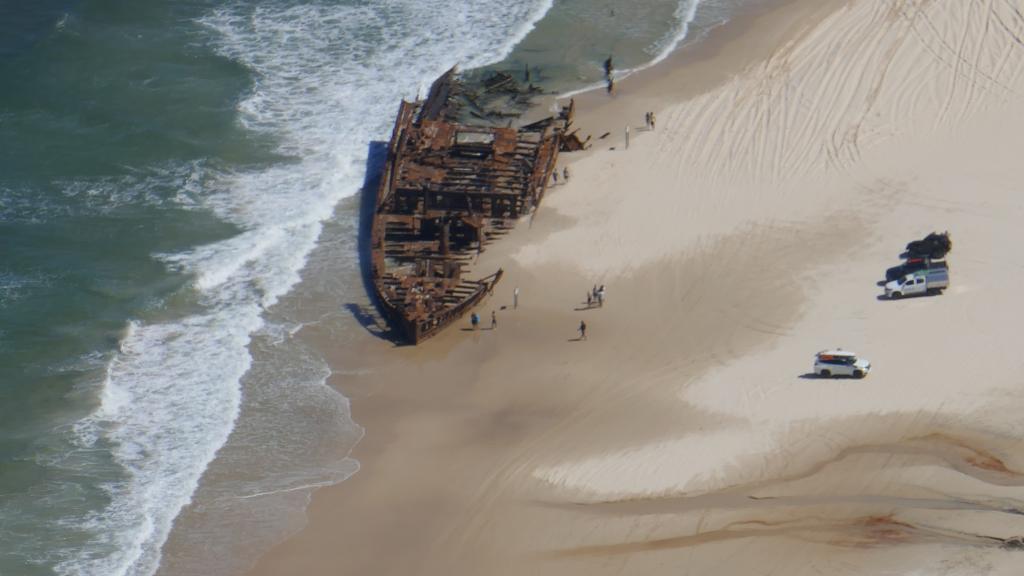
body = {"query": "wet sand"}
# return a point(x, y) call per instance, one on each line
point(796, 153)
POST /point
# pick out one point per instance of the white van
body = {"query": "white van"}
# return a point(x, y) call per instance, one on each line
point(840, 362)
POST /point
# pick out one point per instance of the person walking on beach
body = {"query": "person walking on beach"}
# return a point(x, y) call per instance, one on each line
point(583, 330)
point(474, 319)
point(515, 298)
point(590, 300)
point(494, 320)
point(652, 120)
point(627, 137)
point(608, 68)
point(647, 120)
point(565, 174)
point(555, 176)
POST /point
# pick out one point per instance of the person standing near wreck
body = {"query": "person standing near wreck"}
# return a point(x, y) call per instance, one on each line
point(474, 320)
point(608, 75)
point(565, 174)
point(494, 320)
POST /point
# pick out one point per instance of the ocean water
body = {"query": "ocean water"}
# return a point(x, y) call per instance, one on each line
point(166, 170)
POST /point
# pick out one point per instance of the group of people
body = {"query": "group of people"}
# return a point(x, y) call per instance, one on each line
point(565, 175)
point(595, 296)
point(474, 319)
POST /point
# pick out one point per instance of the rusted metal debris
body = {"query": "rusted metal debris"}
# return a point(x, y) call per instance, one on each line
point(571, 142)
point(447, 191)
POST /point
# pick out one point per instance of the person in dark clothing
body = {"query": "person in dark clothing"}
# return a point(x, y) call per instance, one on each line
point(583, 330)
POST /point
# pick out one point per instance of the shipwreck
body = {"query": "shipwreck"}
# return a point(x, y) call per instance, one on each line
point(447, 190)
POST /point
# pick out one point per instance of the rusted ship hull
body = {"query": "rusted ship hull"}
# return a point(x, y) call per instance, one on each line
point(447, 190)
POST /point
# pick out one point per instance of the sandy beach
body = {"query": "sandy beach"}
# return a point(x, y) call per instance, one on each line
point(797, 150)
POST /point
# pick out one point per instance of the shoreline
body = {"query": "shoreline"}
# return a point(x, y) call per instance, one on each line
point(725, 51)
point(682, 430)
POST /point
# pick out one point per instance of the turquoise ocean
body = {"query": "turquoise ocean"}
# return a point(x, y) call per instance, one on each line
point(166, 170)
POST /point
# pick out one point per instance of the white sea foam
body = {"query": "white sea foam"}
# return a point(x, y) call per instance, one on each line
point(684, 15)
point(327, 82)
point(662, 48)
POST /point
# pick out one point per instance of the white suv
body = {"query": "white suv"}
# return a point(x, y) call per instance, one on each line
point(840, 362)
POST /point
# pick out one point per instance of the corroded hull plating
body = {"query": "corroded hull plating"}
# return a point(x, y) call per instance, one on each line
point(448, 190)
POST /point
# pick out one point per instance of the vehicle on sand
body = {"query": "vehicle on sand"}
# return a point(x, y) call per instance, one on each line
point(934, 245)
point(918, 283)
point(839, 362)
point(913, 265)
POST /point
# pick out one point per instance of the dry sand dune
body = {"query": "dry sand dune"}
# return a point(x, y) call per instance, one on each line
point(893, 118)
point(871, 73)
point(744, 234)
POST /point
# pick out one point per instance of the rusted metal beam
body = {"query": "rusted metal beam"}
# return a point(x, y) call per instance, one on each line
point(447, 190)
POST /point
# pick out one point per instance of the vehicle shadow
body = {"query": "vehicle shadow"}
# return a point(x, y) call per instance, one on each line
point(884, 298)
point(933, 255)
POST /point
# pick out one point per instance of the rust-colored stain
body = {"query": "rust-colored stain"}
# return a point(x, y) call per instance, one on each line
point(886, 530)
point(988, 462)
point(976, 457)
point(447, 191)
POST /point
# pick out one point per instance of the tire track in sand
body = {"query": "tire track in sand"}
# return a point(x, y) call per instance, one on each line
point(771, 125)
